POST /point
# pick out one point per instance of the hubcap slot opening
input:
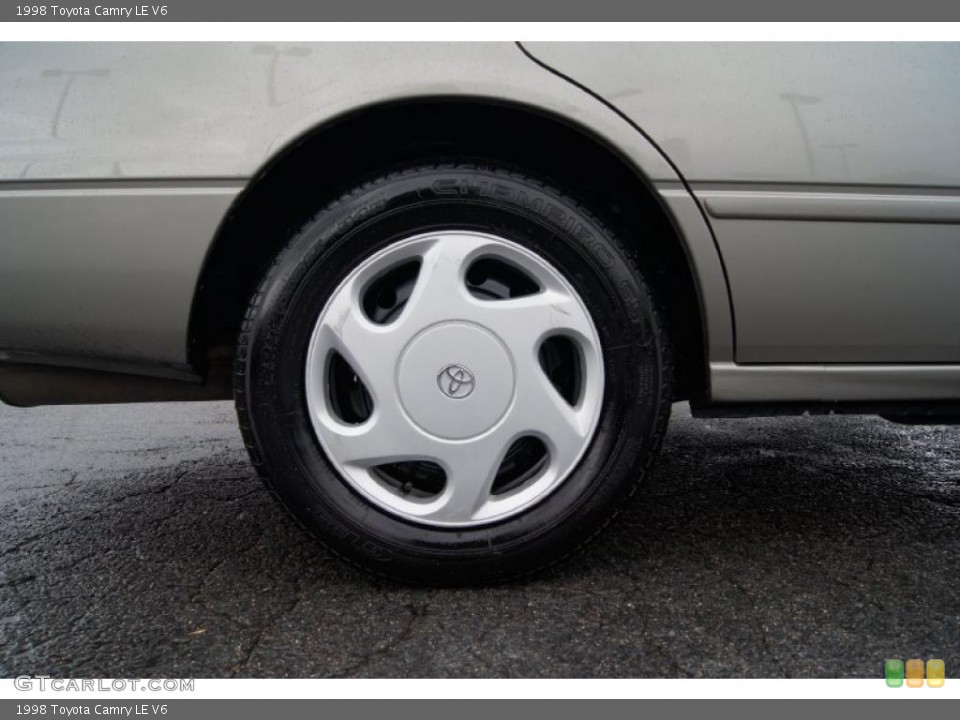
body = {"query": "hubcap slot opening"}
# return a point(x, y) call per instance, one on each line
point(350, 401)
point(492, 278)
point(385, 297)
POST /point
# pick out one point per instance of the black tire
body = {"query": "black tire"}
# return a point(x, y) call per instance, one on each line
point(269, 384)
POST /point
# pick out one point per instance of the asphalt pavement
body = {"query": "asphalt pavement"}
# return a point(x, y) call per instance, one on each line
point(136, 541)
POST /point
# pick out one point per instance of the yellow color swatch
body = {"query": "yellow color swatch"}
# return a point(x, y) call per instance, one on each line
point(935, 673)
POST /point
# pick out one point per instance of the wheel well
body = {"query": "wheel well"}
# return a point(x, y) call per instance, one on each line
point(329, 160)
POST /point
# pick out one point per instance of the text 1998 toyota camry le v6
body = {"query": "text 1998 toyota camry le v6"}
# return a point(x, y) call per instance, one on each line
point(454, 289)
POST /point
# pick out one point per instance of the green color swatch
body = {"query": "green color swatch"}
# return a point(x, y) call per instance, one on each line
point(893, 670)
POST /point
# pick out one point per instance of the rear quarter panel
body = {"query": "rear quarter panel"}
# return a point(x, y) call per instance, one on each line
point(831, 175)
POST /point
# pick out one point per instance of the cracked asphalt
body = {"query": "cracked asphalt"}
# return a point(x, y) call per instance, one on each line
point(135, 541)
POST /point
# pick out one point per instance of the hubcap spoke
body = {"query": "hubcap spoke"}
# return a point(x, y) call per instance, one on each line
point(471, 470)
point(371, 350)
point(440, 293)
point(542, 411)
point(522, 322)
point(384, 438)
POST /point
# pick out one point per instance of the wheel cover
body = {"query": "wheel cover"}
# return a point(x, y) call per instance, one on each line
point(455, 380)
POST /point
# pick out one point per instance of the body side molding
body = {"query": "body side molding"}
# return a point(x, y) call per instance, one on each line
point(832, 383)
point(890, 206)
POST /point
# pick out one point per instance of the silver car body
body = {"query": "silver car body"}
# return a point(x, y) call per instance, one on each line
point(815, 187)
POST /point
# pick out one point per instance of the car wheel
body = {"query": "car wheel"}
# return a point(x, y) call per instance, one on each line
point(453, 374)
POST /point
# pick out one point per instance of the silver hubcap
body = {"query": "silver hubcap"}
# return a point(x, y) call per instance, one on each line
point(455, 381)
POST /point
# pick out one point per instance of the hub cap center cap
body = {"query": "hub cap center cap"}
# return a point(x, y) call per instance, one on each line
point(455, 380)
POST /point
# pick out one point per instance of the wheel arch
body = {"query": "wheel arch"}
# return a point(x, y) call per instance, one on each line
point(329, 158)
